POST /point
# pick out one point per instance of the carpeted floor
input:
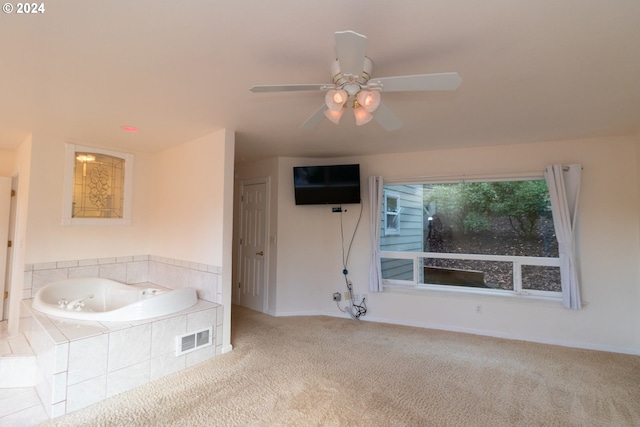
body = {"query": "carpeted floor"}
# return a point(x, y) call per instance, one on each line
point(324, 371)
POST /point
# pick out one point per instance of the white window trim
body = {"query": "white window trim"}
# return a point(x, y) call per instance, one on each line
point(518, 262)
point(391, 231)
point(67, 195)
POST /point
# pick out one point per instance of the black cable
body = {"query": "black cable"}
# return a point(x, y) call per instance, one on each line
point(360, 309)
point(345, 261)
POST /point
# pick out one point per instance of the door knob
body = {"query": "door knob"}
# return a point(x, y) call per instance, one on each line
point(260, 253)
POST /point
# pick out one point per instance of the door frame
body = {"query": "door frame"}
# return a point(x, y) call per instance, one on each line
point(267, 232)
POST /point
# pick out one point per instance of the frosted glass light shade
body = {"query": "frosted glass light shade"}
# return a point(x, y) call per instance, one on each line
point(334, 116)
point(335, 99)
point(369, 100)
point(362, 116)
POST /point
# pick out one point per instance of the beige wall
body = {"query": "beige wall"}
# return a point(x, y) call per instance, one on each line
point(48, 240)
point(310, 254)
point(187, 195)
point(7, 161)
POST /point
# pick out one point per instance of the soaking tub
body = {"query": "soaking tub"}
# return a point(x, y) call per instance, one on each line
point(95, 298)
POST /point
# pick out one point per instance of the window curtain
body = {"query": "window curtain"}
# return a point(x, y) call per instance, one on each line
point(564, 187)
point(375, 209)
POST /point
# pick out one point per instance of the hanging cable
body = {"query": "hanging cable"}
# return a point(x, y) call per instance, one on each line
point(354, 309)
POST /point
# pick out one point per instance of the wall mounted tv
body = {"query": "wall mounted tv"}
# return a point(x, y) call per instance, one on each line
point(322, 185)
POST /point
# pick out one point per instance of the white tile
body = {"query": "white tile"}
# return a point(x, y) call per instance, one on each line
point(87, 358)
point(164, 332)
point(127, 378)
point(219, 315)
point(59, 387)
point(201, 319)
point(177, 276)
point(79, 329)
point(111, 260)
point(86, 393)
point(84, 271)
point(44, 266)
point(43, 277)
point(17, 399)
point(59, 409)
point(61, 358)
point(129, 346)
point(200, 355)
point(84, 262)
point(137, 272)
point(166, 364)
point(18, 371)
point(65, 264)
point(31, 416)
point(124, 259)
point(116, 272)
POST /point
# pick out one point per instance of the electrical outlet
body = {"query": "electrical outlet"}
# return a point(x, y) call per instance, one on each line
point(479, 308)
point(346, 295)
point(336, 296)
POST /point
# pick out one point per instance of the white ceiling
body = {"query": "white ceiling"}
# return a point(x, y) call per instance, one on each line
point(532, 70)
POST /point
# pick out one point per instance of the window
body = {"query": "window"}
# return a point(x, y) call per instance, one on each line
point(485, 236)
point(97, 186)
point(391, 213)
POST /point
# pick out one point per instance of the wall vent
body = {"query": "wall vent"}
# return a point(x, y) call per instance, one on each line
point(194, 341)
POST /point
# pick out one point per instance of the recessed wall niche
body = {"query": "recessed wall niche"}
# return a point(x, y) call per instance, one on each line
point(97, 186)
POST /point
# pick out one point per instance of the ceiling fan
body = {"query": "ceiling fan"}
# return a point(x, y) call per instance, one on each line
point(354, 87)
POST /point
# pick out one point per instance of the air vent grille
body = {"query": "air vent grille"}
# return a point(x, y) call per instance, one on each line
point(194, 340)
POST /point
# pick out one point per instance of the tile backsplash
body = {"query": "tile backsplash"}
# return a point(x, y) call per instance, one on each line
point(165, 272)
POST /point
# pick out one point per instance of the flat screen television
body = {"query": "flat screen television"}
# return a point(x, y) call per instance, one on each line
point(322, 185)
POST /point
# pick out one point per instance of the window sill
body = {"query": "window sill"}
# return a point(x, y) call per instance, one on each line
point(461, 292)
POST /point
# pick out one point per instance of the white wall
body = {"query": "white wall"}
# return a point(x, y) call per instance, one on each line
point(192, 207)
point(310, 255)
point(187, 200)
point(48, 240)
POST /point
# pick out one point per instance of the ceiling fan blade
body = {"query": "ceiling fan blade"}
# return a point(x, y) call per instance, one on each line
point(385, 117)
point(440, 81)
point(351, 48)
point(289, 88)
point(315, 118)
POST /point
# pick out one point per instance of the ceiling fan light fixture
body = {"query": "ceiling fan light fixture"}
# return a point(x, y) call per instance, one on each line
point(369, 100)
point(334, 116)
point(335, 99)
point(362, 116)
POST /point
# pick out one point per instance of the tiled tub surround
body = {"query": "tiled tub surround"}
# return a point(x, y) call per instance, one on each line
point(80, 363)
point(165, 272)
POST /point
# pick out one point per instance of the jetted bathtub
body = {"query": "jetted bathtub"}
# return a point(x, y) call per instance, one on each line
point(95, 298)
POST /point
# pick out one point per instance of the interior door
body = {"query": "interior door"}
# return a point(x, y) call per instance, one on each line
point(253, 245)
point(5, 246)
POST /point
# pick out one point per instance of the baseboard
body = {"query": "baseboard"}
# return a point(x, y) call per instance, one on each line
point(473, 331)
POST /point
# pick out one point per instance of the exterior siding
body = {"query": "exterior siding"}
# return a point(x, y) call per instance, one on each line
point(409, 237)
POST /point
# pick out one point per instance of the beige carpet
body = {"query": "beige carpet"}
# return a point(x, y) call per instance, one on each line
point(323, 371)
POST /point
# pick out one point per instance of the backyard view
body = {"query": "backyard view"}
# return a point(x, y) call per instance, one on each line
point(503, 220)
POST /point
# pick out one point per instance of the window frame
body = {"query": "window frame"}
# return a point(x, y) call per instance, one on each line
point(517, 261)
point(389, 231)
point(69, 177)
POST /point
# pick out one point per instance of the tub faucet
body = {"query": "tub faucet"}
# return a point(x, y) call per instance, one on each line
point(78, 304)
